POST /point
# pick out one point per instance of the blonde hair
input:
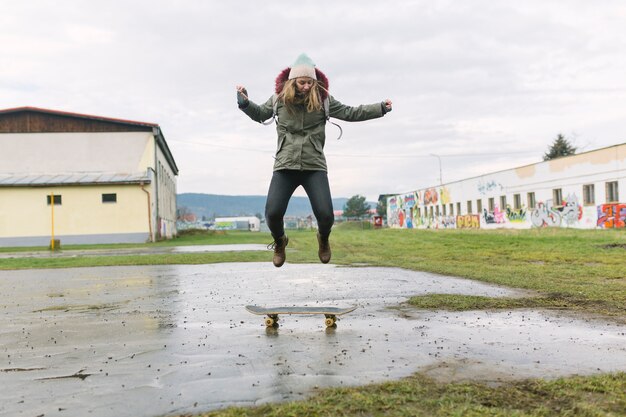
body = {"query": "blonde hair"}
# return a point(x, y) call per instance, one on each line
point(312, 101)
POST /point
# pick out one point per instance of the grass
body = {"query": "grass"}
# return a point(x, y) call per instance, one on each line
point(600, 395)
point(573, 270)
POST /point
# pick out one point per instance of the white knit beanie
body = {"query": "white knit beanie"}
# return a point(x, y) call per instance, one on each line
point(303, 67)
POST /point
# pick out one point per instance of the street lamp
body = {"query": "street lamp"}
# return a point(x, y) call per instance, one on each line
point(440, 176)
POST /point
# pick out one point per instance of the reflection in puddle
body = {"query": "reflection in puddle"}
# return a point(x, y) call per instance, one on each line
point(177, 339)
point(220, 248)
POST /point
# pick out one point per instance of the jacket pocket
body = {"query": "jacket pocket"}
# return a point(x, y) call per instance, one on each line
point(318, 143)
point(283, 149)
point(281, 142)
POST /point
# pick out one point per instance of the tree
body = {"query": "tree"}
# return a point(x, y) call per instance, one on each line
point(381, 207)
point(183, 213)
point(355, 207)
point(560, 147)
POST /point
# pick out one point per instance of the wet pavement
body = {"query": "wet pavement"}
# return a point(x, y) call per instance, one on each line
point(161, 340)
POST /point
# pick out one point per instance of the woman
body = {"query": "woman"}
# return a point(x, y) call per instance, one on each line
point(301, 106)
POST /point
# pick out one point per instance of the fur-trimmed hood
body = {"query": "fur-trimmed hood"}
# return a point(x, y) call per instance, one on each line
point(284, 76)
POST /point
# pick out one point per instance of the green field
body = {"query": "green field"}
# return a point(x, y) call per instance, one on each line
point(582, 271)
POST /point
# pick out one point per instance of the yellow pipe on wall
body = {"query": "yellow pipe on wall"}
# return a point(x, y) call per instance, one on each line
point(52, 218)
point(149, 211)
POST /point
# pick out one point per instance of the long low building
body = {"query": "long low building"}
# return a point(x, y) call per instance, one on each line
point(579, 191)
point(250, 223)
point(83, 179)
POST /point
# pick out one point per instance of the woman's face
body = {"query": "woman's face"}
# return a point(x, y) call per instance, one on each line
point(304, 84)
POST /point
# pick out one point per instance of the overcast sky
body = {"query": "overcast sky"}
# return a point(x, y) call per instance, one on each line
point(484, 85)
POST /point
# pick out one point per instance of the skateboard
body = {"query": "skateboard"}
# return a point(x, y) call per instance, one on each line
point(272, 313)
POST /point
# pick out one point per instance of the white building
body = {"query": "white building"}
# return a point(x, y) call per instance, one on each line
point(87, 179)
point(579, 191)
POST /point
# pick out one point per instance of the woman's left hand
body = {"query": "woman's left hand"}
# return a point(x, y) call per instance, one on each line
point(388, 105)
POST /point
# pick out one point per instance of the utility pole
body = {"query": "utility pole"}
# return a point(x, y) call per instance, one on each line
point(440, 176)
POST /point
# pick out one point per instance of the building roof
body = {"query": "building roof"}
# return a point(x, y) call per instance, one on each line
point(75, 115)
point(99, 178)
point(39, 120)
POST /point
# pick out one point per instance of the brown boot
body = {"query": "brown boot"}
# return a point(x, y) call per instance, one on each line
point(324, 248)
point(279, 246)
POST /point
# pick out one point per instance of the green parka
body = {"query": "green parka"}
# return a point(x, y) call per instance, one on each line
point(302, 135)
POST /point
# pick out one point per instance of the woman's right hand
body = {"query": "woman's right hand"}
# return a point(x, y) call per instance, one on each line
point(242, 96)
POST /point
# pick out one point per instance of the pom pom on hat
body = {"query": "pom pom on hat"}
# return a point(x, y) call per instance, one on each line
point(303, 67)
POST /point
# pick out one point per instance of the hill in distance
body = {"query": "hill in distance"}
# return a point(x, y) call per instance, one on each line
point(213, 205)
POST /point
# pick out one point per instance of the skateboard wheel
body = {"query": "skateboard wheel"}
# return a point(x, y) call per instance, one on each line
point(271, 321)
point(330, 322)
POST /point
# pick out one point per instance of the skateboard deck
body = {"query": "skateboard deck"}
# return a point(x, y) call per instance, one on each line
point(272, 313)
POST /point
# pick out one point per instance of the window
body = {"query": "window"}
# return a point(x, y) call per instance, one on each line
point(492, 204)
point(479, 206)
point(458, 209)
point(451, 209)
point(419, 212)
point(612, 195)
point(443, 206)
point(557, 197)
point(502, 202)
point(57, 200)
point(530, 198)
point(109, 198)
point(431, 211)
point(469, 206)
point(589, 195)
point(517, 201)
point(437, 210)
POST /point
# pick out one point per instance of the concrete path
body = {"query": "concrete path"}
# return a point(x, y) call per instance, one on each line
point(147, 250)
point(160, 340)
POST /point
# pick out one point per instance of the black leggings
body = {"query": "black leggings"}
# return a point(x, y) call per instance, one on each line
point(282, 187)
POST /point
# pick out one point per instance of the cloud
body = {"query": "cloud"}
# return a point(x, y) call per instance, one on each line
point(466, 78)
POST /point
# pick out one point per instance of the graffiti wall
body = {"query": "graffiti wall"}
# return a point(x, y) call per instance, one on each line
point(426, 210)
point(578, 191)
point(545, 214)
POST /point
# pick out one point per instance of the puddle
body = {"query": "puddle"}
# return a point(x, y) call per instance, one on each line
point(220, 248)
point(160, 340)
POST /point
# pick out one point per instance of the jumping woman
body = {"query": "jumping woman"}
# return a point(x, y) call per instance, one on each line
point(301, 107)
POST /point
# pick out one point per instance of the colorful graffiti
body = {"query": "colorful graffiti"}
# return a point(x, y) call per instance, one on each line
point(444, 195)
point(544, 216)
point(417, 210)
point(494, 217)
point(401, 218)
point(485, 187)
point(431, 196)
point(401, 210)
point(409, 200)
point(571, 211)
point(468, 221)
point(548, 215)
point(612, 216)
point(435, 222)
point(515, 216)
point(447, 222)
